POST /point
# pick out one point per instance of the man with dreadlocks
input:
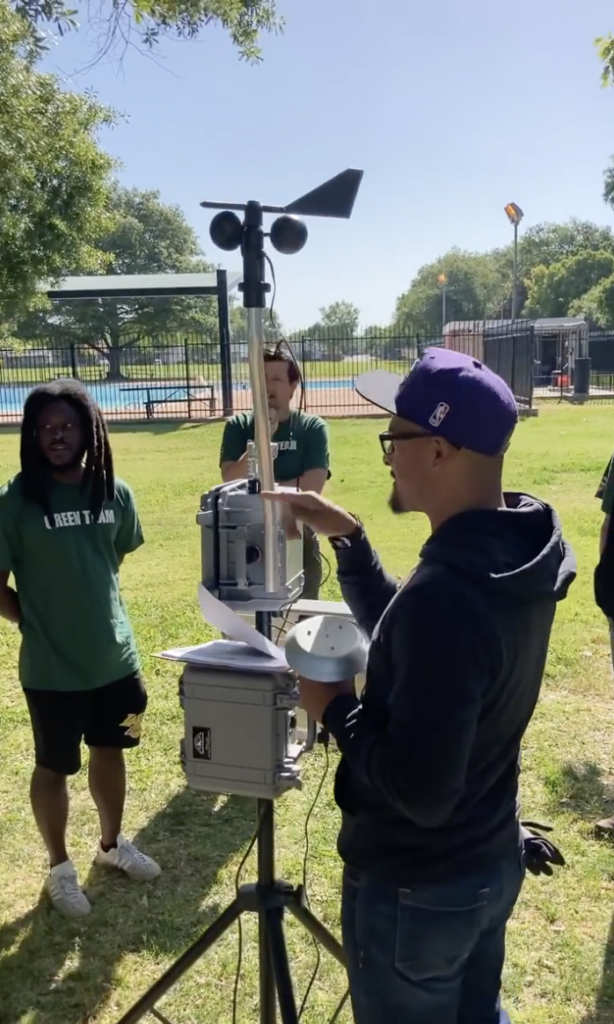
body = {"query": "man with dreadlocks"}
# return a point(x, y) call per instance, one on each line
point(66, 524)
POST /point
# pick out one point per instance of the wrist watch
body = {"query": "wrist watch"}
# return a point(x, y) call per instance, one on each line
point(339, 543)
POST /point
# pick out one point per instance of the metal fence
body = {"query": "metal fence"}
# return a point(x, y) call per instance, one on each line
point(187, 377)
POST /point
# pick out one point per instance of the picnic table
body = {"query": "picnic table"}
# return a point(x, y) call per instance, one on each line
point(172, 392)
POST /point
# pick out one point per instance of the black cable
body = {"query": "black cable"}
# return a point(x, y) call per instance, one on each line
point(283, 339)
point(244, 859)
point(329, 568)
point(301, 405)
point(324, 739)
point(283, 629)
point(339, 1008)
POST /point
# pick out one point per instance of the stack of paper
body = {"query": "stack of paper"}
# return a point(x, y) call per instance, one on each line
point(227, 654)
point(247, 649)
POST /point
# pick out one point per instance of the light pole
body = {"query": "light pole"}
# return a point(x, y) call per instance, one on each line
point(442, 281)
point(514, 215)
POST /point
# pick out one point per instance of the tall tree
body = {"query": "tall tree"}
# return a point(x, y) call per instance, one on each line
point(546, 244)
point(478, 285)
point(271, 324)
point(554, 290)
point(149, 20)
point(342, 317)
point(54, 178)
point(145, 237)
point(605, 52)
point(597, 305)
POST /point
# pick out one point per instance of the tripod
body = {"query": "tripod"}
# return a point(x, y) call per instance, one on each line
point(268, 898)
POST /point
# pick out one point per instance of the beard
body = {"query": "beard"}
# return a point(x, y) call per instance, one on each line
point(66, 467)
point(394, 502)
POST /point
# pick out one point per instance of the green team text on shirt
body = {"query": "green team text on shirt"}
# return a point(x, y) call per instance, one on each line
point(76, 634)
point(302, 443)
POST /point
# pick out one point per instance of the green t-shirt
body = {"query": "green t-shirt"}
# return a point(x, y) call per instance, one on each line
point(605, 491)
point(75, 631)
point(302, 443)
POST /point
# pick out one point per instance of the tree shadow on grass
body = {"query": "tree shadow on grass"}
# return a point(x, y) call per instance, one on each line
point(580, 789)
point(603, 1013)
point(60, 971)
point(160, 426)
point(140, 426)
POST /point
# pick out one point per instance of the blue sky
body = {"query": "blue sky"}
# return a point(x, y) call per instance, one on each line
point(452, 109)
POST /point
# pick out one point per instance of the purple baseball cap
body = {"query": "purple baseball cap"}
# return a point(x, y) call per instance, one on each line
point(449, 394)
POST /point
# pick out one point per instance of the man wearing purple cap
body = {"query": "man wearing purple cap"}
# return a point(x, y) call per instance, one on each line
point(428, 778)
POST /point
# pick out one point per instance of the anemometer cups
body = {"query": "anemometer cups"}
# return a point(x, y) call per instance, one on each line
point(288, 234)
point(226, 231)
point(327, 649)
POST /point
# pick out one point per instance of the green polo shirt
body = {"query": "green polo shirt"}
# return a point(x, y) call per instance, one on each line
point(302, 443)
point(75, 631)
point(605, 491)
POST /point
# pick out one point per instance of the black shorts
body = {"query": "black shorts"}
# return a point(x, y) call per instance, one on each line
point(109, 716)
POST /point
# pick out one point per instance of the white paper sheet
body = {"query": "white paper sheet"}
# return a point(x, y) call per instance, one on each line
point(227, 654)
point(229, 623)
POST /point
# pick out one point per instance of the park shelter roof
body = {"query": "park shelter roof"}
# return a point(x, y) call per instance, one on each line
point(133, 285)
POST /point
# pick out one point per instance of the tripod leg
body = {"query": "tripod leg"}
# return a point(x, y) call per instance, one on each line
point(317, 929)
point(176, 971)
point(281, 966)
point(266, 876)
point(267, 980)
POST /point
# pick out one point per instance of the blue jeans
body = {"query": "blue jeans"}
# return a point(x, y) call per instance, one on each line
point(432, 954)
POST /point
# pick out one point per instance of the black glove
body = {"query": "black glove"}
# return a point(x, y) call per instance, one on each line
point(539, 852)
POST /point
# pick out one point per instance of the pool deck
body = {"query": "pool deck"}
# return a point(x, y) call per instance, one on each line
point(330, 403)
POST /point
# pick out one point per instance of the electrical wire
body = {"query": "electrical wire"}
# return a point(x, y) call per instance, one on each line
point(237, 981)
point(324, 560)
point(243, 862)
point(314, 803)
point(283, 628)
point(301, 405)
point(282, 338)
point(339, 1008)
point(323, 738)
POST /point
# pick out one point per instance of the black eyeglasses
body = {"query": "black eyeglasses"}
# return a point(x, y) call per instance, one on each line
point(388, 437)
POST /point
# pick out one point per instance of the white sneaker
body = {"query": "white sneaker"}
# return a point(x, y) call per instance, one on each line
point(64, 891)
point(125, 857)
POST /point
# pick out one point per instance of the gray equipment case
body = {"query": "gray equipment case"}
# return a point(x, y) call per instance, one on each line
point(240, 732)
point(232, 544)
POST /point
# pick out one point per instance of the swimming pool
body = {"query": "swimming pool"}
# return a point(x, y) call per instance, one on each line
point(117, 397)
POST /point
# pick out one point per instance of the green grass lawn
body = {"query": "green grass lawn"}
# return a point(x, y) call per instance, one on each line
point(58, 972)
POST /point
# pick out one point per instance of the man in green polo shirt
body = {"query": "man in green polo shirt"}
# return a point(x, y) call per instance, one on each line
point(302, 460)
point(66, 524)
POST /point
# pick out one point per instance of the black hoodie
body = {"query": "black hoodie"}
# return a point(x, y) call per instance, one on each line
point(428, 779)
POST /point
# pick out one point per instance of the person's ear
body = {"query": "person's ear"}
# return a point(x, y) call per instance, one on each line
point(440, 452)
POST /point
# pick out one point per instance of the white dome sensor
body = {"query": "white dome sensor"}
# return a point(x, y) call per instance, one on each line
point(327, 649)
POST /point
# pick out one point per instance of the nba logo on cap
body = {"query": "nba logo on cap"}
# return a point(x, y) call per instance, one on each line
point(439, 415)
